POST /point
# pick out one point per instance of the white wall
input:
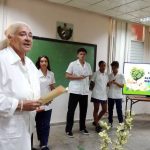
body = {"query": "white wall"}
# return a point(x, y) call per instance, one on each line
point(42, 17)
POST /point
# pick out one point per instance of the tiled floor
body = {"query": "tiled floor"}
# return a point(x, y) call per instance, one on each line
point(139, 139)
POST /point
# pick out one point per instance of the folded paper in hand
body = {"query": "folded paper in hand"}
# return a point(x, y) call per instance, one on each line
point(51, 95)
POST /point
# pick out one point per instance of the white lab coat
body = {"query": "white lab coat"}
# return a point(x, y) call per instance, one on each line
point(45, 82)
point(17, 82)
point(100, 89)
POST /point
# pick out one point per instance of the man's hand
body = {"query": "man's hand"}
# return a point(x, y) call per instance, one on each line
point(28, 105)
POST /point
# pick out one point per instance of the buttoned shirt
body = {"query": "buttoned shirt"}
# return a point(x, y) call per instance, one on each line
point(100, 89)
point(17, 82)
point(45, 82)
point(79, 86)
point(114, 91)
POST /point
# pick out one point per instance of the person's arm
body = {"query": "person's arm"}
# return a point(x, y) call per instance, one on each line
point(52, 84)
point(71, 75)
point(92, 81)
point(118, 84)
point(121, 82)
point(110, 83)
point(28, 105)
point(90, 72)
point(90, 76)
point(74, 77)
point(107, 81)
point(9, 104)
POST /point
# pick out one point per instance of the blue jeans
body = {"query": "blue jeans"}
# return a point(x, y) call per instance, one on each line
point(111, 103)
point(43, 126)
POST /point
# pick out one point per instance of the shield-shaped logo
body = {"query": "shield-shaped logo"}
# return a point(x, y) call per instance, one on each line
point(64, 31)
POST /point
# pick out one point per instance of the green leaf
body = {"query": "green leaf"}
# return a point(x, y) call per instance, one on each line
point(137, 73)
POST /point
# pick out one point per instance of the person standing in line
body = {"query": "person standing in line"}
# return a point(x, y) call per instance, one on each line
point(47, 81)
point(78, 72)
point(19, 89)
point(99, 94)
point(116, 83)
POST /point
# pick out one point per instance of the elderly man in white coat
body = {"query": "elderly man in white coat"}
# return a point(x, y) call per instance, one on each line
point(19, 89)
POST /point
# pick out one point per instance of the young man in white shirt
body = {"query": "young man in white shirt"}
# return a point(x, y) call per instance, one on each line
point(116, 83)
point(78, 72)
point(99, 94)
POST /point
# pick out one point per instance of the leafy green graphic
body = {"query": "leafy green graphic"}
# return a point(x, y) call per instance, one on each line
point(137, 73)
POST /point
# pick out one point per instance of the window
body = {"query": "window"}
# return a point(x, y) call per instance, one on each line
point(136, 53)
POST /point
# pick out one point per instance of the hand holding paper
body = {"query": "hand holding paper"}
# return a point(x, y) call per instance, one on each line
point(54, 93)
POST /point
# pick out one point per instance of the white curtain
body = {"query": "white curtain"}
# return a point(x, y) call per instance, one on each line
point(118, 43)
point(2, 18)
point(147, 45)
point(121, 30)
point(111, 43)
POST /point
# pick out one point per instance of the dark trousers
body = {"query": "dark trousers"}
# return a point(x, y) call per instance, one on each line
point(43, 126)
point(111, 103)
point(72, 104)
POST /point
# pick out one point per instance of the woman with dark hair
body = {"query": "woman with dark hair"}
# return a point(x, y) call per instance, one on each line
point(38, 62)
point(43, 117)
point(99, 94)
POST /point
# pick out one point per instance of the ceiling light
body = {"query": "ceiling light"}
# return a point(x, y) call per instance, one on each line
point(146, 19)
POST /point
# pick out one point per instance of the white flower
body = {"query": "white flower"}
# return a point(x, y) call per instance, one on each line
point(122, 133)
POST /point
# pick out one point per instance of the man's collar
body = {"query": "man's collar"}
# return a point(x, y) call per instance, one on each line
point(78, 62)
point(13, 57)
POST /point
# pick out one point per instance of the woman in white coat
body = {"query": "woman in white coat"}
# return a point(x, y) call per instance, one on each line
point(47, 81)
point(19, 89)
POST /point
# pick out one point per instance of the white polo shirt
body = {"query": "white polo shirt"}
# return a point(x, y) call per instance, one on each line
point(100, 89)
point(79, 86)
point(45, 82)
point(114, 91)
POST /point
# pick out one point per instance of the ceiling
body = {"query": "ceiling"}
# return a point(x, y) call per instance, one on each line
point(131, 10)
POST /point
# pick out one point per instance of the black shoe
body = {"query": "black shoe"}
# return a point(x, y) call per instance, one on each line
point(85, 132)
point(94, 124)
point(110, 124)
point(98, 128)
point(34, 148)
point(44, 148)
point(69, 134)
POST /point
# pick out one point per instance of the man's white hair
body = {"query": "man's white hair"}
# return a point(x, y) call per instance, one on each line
point(11, 30)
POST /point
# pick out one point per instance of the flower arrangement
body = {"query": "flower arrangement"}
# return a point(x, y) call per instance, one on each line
point(122, 133)
point(104, 135)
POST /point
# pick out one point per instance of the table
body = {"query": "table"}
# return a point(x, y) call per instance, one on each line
point(134, 99)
